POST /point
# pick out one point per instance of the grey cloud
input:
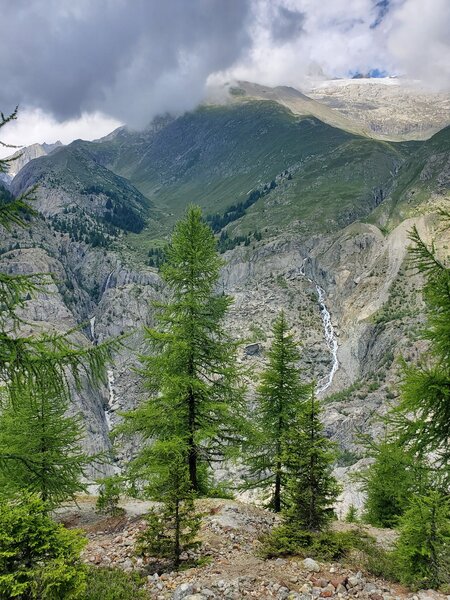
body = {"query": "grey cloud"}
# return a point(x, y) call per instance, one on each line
point(133, 59)
point(129, 59)
point(286, 24)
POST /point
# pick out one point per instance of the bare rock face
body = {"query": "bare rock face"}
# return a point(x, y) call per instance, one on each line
point(389, 108)
point(365, 282)
point(24, 155)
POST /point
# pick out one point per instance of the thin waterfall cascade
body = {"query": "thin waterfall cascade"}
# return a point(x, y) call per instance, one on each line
point(111, 397)
point(330, 335)
point(92, 328)
point(330, 338)
point(108, 280)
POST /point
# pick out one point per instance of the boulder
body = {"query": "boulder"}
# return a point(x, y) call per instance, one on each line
point(311, 565)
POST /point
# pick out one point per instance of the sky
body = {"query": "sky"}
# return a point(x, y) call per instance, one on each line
point(79, 69)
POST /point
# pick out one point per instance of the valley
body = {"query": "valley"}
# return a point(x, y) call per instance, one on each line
point(332, 244)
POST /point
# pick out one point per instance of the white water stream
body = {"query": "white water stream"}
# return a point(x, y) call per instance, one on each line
point(111, 397)
point(331, 340)
point(330, 335)
point(108, 279)
point(92, 328)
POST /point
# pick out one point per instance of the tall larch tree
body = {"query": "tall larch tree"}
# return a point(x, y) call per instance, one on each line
point(37, 369)
point(196, 394)
point(423, 414)
point(279, 399)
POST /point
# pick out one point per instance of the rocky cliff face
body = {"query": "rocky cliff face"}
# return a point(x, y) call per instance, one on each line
point(20, 158)
point(372, 297)
point(389, 108)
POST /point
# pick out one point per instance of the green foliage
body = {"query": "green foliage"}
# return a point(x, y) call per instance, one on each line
point(40, 448)
point(352, 514)
point(422, 552)
point(114, 584)
point(109, 496)
point(191, 373)
point(279, 400)
point(287, 540)
point(225, 242)
point(39, 559)
point(389, 482)
point(172, 530)
point(238, 210)
point(423, 414)
point(354, 548)
point(156, 257)
point(309, 456)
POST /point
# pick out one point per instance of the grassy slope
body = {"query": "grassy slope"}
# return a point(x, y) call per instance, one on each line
point(75, 169)
point(422, 182)
point(216, 155)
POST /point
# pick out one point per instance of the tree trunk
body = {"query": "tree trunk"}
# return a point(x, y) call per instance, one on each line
point(192, 453)
point(177, 549)
point(277, 492)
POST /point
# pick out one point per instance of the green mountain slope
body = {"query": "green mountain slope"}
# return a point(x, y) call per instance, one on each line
point(216, 155)
point(278, 171)
point(74, 172)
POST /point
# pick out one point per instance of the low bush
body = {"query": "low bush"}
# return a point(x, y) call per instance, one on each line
point(355, 548)
point(39, 558)
point(114, 584)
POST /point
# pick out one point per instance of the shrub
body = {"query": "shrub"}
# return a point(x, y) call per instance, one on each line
point(109, 496)
point(39, 558)
point(326, 545)
point(422, 552)
point(356, 548)
point(114, 584)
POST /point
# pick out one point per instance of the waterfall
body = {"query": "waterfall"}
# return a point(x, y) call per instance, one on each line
point(331, 340)
point(92, 328)
point(108, 279)
point(111, 397)
point(330, 335)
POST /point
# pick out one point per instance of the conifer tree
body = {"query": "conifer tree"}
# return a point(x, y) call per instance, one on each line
point(39, 558)
point(423, 414)
point(35, 369)
point(172, 530)
point(389, 481)
point(191, 372)
point(422, 552)
point(40, 448)
point(309, 456)
point(279, 398)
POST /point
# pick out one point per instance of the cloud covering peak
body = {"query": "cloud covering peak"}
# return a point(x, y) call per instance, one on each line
point(130, 60)
point(133, 60)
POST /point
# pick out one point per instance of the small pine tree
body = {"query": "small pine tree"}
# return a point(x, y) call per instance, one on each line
point(39, 559)
point(172, 530)
point(352, 514)
point(422, 552)
point(309, 456)
point(109, 496)
point(388, 482)
point(40, 448)
point(278, 402)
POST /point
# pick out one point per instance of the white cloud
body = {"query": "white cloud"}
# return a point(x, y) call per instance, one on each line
point(35, 126)
point(419, 41)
